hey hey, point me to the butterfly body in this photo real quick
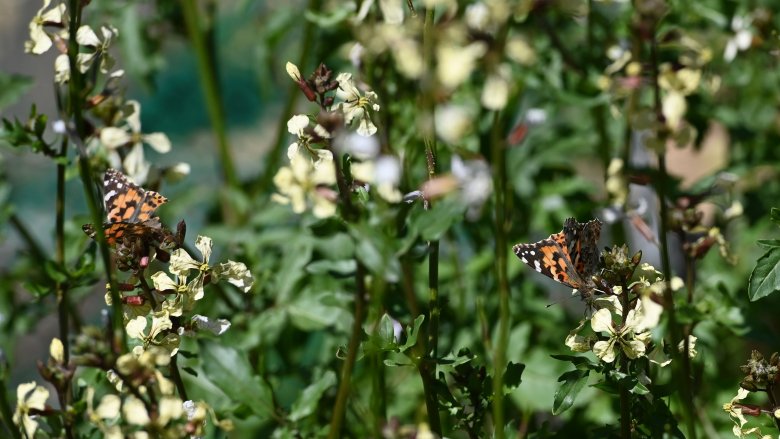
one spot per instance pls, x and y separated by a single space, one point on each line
570 257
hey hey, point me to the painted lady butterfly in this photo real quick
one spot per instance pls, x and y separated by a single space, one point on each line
130 213
570 257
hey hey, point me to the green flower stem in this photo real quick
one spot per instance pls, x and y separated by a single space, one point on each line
74 110
6 414
176 377
498 159
625 397
350 214
378 398
683 373
207 70
64 393
273 157
339 409
61 290
625 403
427 365
773 402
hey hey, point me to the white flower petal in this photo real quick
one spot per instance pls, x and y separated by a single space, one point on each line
109 407
495 93
163 282
293 71
114 137
87 37
204 244
601 321
134 411
158 141
297 124
605 350
57 350
135 327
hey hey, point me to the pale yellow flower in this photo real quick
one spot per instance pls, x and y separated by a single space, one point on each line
625 337
735 413
215 326
297 125
303 185
577 342
384 172
455 62
356 106
236 273
742 39
134 411
107 410
85 36
453 122
170 409
40 41
293 71
136 167
520 51
136 328
57 350
495 93
29 396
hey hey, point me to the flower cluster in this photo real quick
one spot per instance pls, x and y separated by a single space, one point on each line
119 143
146 398
760 376
308 182
616 329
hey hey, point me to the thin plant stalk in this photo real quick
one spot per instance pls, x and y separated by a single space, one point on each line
339 409
74 112
498 159
208 78
683 373
625 397
427 365
6 414
176 377
61 290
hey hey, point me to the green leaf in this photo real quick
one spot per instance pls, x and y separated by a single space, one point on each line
55 271
581 363
571 384
376 251
768 243
774 215
765 278
639 389
412 332
513 375
342 267
433 223
386 330
229 370
307 402
312 312
327 21
12 87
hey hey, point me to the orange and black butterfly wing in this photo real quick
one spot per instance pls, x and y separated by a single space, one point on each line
551 258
